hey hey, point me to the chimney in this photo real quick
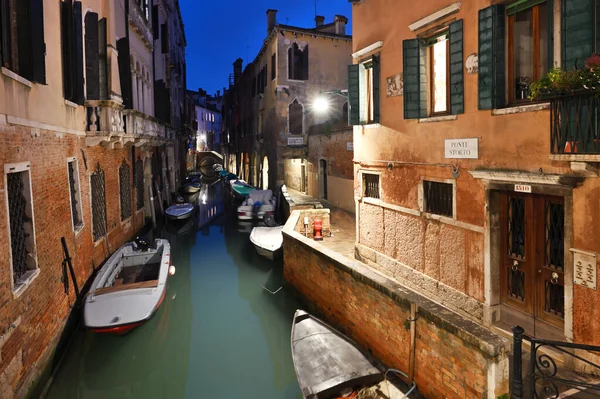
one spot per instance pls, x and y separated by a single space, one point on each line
271 20
237 70
218 93
340 24
319 20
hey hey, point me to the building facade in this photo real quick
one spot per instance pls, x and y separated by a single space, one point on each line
466 191
207 111
269 112
83 151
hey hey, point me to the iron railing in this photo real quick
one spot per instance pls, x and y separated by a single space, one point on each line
17 204
543 379
574 124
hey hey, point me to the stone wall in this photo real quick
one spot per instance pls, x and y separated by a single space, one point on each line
454 357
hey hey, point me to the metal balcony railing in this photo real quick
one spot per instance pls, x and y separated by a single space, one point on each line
574 124
544 377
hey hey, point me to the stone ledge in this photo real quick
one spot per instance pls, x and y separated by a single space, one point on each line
489 344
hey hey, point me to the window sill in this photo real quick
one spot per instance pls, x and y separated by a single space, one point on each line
296 81
78 229
371 125
518 109
442 118
71 104
25 282
16 77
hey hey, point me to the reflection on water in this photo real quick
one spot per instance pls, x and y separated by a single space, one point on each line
218 334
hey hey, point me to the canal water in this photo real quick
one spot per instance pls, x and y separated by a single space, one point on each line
220 333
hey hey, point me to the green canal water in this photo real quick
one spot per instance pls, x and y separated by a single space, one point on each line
218 334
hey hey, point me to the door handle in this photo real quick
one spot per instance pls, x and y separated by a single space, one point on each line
515 265
554 279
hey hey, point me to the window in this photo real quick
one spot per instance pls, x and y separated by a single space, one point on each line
75 197
21 223
527 46
96 80
22 35
345 112
439 58
155 24
370 185
297 62
273 67
363 92
295 116
431 67
72 50
98 204
143 4
125 190
139 184
438 198
164 38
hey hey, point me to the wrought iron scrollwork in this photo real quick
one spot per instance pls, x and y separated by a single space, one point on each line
17 205
125 188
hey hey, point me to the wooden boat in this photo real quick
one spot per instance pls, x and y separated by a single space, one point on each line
191 187
129 288
240 189
256 205
268 241
180 211
327 364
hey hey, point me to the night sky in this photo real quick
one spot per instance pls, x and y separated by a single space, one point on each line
220 31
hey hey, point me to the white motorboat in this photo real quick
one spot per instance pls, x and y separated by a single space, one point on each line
268 241
258 203
129 288
180 211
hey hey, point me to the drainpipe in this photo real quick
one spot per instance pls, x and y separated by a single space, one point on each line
413 336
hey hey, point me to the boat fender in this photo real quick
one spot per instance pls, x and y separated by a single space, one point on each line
171 270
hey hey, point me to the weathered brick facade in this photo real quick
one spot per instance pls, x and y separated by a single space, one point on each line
31 323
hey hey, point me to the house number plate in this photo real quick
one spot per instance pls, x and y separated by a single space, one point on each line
585 270
522 188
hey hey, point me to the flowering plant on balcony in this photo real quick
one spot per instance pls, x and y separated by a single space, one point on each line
559 82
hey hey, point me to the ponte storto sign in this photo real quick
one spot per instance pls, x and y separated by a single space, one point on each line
461 148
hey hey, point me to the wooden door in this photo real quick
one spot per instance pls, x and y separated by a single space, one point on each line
532 271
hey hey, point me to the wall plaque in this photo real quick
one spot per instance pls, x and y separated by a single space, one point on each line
585 272
461 148
522 188
295 140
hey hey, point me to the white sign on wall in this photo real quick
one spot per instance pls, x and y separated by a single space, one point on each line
522 188
461 148
295 140
350 146
585 270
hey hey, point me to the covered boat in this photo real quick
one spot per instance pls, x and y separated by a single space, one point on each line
180 211
268 241
240 189
327 364
190 187
258 203
129 288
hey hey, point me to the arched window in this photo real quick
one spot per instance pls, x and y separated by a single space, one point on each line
297 62
295 117
125 190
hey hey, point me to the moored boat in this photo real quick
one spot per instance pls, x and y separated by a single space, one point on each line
327 364
268 241
129 288
180 211
191 187
258 203
240 189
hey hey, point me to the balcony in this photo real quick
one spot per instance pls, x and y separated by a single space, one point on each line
108 124
575 128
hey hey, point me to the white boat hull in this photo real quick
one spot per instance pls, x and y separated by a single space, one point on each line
179 211
268 241
115 306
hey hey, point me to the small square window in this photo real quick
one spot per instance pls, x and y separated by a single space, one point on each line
370 185
438 198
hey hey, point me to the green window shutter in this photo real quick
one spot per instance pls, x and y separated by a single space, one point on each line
550 19
491 77
78 52
376 91
577 31
38 46
415 79
457 78
92 57
354 94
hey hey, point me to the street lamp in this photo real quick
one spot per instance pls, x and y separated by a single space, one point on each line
321 103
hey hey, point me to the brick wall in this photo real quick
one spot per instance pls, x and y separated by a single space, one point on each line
455 358
39 314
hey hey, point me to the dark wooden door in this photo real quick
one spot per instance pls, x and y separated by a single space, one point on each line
532 272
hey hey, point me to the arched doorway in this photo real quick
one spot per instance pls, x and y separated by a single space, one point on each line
323 178
265 173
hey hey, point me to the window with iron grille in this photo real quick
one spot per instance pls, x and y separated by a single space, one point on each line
20 211
125 186
438 198
139 184
370 185
98 204
75 195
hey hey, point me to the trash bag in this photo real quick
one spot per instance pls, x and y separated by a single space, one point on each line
269 220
